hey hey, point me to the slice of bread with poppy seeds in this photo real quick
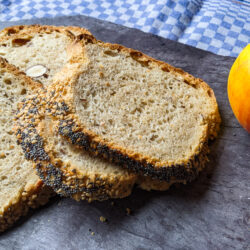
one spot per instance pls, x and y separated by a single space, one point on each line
140 113
20 187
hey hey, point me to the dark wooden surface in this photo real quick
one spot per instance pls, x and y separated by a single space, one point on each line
212 212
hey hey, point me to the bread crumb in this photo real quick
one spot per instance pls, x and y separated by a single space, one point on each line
103 219
128 210
112 203
92 233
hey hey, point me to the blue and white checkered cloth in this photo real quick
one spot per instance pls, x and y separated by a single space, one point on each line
219 26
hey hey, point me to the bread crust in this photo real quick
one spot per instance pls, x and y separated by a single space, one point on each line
4 64
63 177
27 30
34 194
33 197
70 127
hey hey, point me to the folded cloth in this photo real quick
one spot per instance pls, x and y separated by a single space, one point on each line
219 26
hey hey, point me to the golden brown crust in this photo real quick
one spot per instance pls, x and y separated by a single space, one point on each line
33 197
148 183
26 30
70 126
34 194
34 134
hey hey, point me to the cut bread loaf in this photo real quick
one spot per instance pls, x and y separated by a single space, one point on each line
39 51
142 114
20 187
70 171
32 48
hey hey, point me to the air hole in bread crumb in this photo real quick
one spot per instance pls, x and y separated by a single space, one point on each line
165 68
7 81
11 31
18 168
20 41
209 92
23 92
110 53
3 178
153 137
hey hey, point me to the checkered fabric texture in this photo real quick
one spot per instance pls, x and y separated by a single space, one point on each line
219 26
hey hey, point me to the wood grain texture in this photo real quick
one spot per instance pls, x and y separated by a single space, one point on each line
210 213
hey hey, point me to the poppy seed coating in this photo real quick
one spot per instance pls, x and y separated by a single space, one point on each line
186 172
55 173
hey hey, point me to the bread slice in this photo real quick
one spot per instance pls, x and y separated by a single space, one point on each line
70 171
20 187
39 51
141 113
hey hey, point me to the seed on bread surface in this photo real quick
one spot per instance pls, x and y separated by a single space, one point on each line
36 70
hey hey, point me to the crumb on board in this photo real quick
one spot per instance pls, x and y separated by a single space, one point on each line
128 210
92 233
103 219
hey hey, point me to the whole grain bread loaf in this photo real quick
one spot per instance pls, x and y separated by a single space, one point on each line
140 113
20 187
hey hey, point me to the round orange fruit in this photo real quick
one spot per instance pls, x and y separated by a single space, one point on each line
238 88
